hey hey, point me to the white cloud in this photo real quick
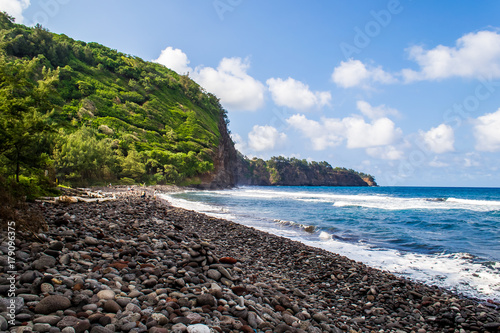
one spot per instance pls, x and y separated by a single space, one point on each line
375 112
353 73
359 134
239 143
385 153
474 55
231 83
437 163
296 95
328 134
487 132
439 139
379 132
15 8
174 59
263 138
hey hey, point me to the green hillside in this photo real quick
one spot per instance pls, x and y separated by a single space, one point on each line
83 113
295 172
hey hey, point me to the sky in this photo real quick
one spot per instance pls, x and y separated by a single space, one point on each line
408 90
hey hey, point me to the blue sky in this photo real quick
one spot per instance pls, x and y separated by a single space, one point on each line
408 91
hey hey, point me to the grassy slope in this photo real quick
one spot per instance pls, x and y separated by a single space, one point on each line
140 105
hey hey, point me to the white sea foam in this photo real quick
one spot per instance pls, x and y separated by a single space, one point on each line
375 201
211 210
456 272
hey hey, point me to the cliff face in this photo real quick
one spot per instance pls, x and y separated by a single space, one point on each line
225 162
232 169
293 172
370 181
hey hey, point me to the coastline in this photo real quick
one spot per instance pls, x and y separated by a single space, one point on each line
176 256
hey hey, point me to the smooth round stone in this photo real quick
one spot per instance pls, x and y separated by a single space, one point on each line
23 317
111 306
28 277
46 288
105 321
57 246
68 330
41 327
91 307
65 259
214 274
122 301
194 318
319 317
44 262
52 303
51 320
160 318
206 299
91 241
106 294
132 308
158 330
198 328
135 293
179 328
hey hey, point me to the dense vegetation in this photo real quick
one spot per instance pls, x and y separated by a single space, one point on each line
293 171
83 113
80 113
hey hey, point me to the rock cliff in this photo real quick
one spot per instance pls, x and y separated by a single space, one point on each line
225 171
294 172
231 169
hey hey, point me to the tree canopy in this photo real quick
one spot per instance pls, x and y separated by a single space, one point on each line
90 114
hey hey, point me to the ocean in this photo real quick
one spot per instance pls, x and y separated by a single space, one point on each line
449 237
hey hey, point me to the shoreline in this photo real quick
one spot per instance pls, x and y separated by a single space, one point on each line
441 269
166 258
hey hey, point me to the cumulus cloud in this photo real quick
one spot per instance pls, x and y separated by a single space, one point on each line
439 139
354 73
385 153
174 59
15 8
375 112
265 138
231 83
332 132
296 95
487 132
474 55
329 133
379 132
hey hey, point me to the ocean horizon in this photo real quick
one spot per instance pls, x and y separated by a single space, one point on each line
443 236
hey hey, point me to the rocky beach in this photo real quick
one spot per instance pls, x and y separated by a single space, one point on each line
138 264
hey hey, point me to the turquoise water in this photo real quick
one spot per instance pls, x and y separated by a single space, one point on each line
444 236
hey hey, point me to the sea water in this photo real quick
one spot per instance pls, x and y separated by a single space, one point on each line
449 237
